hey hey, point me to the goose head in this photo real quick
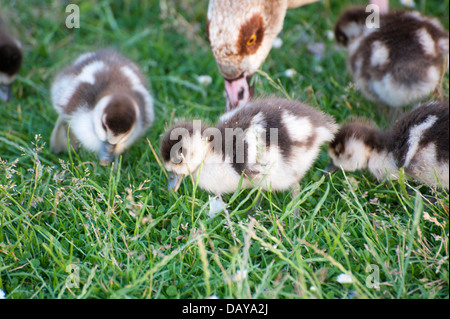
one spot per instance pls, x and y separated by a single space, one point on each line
241 34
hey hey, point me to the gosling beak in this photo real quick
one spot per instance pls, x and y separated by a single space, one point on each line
5 92
239 91
331 168
106 153
174 182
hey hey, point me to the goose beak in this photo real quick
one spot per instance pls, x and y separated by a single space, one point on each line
331 168
174 182
239 91
106 153
383 5
5 92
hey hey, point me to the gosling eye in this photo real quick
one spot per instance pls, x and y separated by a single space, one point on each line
335 152
338 149
179 158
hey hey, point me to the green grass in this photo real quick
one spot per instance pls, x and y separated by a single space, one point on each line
121 235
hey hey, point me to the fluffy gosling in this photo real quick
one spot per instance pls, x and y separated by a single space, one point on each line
418 142
270 143
104 99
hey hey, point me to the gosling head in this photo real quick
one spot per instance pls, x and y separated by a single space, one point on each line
353 146
183 149
114 119
351 24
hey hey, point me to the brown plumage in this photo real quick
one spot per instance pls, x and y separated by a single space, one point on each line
120 116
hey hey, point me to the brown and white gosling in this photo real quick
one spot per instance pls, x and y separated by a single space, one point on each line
271 143
10 61
399 63
104 100
241 35
418 142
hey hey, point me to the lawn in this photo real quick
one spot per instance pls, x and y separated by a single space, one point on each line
70 228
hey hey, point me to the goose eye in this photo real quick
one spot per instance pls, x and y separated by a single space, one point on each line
252 39
104 126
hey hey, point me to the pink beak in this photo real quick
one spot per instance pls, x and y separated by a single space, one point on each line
382 4
239 91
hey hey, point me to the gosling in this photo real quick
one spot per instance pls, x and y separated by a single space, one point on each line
102 96
270 144
417 142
